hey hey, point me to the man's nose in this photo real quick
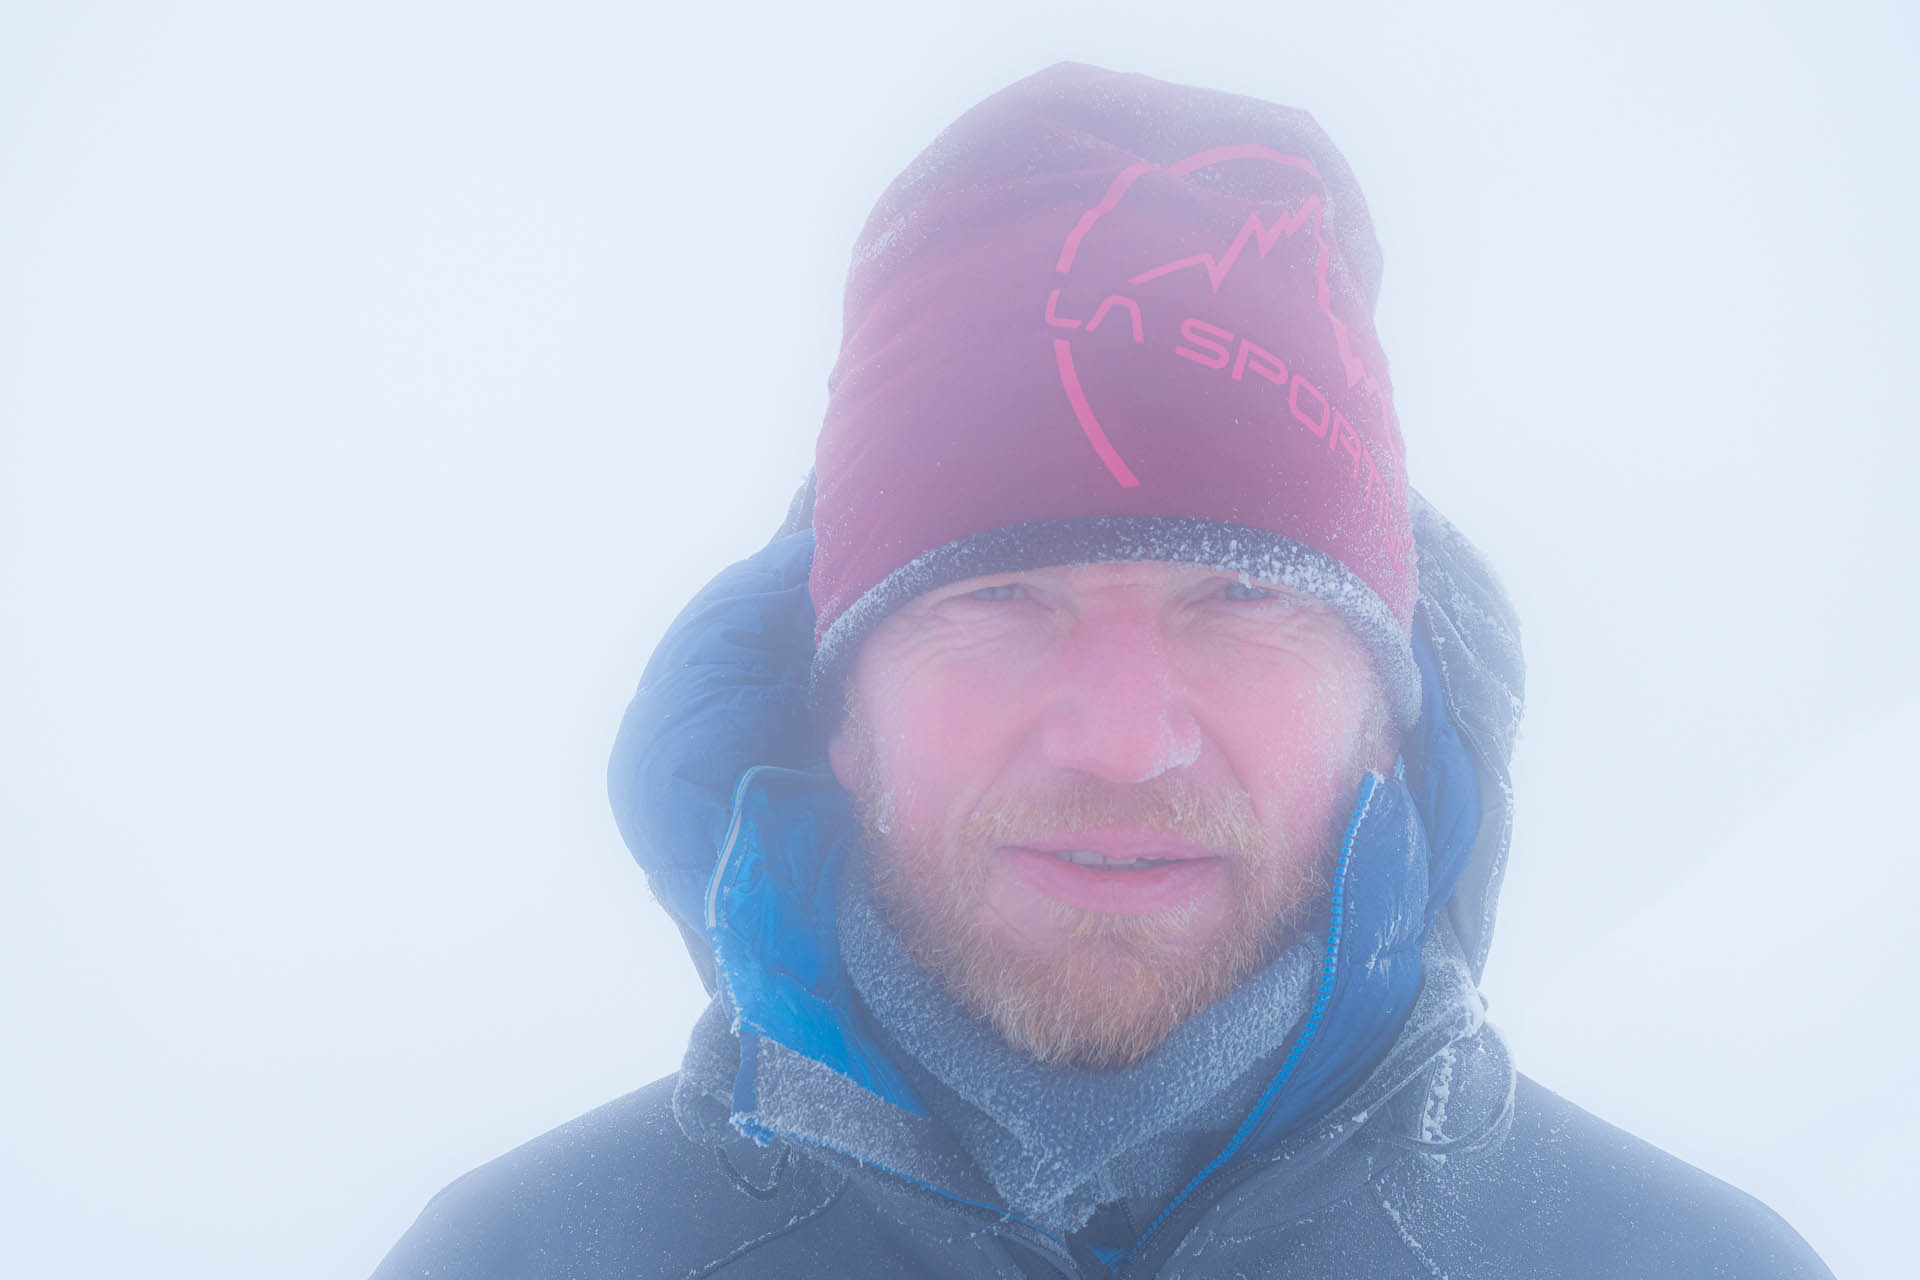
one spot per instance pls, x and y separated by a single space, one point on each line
1115 707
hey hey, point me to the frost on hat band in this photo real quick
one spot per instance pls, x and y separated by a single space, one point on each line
1100 539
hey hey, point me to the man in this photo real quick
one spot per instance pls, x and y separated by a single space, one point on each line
1088 811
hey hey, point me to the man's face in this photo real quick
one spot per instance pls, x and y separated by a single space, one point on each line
1098 797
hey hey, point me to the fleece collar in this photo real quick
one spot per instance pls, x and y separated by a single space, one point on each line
1058 1142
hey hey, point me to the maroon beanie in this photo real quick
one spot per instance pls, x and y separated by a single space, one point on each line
1107 318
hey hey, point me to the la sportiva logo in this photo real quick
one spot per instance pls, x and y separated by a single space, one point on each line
1298 403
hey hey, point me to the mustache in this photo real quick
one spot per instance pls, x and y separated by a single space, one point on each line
1171 805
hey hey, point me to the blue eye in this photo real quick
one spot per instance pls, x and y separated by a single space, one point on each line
1247 591
1004 591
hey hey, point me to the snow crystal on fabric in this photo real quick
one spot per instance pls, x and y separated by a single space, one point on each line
1101 539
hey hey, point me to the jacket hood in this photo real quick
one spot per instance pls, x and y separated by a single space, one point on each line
723 792
728 690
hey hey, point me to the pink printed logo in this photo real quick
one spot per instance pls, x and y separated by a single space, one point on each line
1211 346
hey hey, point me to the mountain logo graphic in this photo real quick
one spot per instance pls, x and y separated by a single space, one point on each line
1256 237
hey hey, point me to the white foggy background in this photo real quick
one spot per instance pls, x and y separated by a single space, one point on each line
378 380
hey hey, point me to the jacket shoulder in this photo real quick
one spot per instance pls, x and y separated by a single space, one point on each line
1569 1195
619 1191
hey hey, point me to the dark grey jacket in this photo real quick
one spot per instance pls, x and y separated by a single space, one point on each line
621 1192
1396 1138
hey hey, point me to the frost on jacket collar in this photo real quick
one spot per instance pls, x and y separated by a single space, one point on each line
721 789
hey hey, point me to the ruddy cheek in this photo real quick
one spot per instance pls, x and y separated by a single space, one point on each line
1288 767
946 701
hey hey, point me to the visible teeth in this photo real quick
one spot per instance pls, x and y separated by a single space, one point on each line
1088 858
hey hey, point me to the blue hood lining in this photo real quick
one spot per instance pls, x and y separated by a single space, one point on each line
773 921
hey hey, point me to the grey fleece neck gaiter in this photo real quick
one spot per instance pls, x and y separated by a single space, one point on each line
1059 1142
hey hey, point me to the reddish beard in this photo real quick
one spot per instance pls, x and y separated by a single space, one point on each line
1119 984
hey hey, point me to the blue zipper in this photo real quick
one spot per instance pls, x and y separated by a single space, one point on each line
1328 966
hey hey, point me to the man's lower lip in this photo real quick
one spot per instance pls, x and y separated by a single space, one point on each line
1123 893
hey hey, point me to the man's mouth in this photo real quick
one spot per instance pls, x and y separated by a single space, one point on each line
1134 872
1088 858
1117 849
